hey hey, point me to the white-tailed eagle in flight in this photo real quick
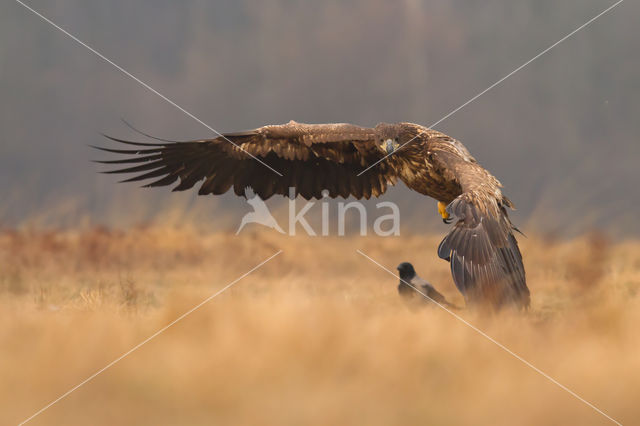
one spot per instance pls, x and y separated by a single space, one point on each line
486 263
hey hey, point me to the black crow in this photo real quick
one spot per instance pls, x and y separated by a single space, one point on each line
410 282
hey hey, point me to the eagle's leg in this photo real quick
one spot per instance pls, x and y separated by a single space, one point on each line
442 209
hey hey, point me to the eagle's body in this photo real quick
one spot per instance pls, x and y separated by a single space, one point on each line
484 255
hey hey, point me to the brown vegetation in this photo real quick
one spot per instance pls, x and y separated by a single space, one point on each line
316 336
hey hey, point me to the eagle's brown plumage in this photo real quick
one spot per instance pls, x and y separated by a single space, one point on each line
485 260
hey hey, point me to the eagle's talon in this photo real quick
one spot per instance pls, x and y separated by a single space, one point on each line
442 209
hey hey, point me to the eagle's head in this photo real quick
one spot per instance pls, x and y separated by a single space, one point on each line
389 137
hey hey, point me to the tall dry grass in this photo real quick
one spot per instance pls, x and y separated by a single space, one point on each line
316 336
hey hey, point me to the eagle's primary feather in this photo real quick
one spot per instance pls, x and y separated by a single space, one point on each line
486 263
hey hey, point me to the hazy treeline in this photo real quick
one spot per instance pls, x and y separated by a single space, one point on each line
561 134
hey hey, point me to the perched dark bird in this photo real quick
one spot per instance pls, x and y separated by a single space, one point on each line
362 162
410 282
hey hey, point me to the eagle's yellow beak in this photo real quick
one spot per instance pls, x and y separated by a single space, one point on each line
389 146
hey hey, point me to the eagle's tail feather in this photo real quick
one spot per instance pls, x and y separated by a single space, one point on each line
486 263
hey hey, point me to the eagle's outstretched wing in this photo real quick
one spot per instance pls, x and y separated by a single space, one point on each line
486 263
310 157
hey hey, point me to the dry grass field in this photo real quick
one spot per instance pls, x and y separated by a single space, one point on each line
316 336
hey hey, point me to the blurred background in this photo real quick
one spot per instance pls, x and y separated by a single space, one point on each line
561 134
90 268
